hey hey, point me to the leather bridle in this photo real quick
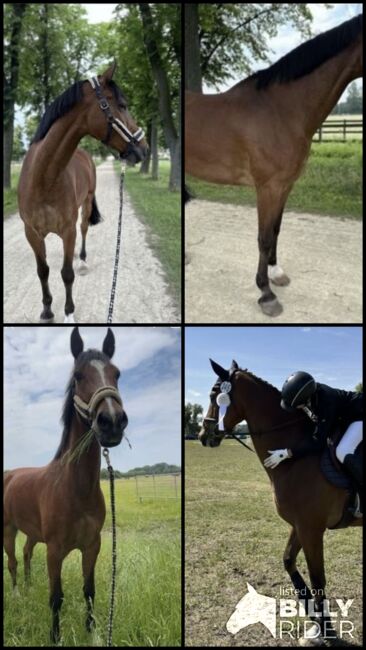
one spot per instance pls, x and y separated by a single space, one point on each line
132 139
87 410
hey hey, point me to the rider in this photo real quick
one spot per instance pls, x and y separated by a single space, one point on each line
327 407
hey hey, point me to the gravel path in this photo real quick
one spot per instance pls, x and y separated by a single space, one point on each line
322 256
142 294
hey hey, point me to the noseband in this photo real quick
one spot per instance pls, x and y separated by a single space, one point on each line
132 139
88 410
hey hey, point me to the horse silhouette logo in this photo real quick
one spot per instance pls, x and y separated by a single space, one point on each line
253 608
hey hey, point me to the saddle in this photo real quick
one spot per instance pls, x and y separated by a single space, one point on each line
334 472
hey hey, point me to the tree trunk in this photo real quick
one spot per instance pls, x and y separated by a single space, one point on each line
192 57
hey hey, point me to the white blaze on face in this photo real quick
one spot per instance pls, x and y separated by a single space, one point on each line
100 367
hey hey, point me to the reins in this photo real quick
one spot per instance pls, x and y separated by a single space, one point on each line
118 246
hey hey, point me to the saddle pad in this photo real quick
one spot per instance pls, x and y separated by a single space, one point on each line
339 479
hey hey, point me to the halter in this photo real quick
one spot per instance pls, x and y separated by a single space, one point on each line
114 123
87 410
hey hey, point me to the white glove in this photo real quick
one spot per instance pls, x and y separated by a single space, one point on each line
276 457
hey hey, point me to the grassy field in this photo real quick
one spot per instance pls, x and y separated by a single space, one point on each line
331 183
233 535
160 211
148 586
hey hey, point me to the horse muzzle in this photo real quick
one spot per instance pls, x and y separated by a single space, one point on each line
109 429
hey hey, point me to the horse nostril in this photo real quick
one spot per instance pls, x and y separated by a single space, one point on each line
104 421
121 421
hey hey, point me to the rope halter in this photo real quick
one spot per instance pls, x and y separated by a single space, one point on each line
88 410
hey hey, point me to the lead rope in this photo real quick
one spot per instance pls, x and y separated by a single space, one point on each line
118 246
114 553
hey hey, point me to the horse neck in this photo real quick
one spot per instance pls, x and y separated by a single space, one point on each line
55 150
265 417
313 96
82 474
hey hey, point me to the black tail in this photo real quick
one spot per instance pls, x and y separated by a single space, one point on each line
187 195
95 216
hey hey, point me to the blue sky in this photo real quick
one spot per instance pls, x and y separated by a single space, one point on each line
38 363
332 354
288 37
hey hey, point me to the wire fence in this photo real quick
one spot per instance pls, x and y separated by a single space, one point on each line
158 486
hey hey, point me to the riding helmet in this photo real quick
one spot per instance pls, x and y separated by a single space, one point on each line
297 389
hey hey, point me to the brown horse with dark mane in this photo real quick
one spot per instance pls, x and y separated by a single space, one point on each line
62 504
310 512
57 178
259 132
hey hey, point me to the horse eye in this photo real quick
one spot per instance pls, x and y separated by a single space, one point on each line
118 374
122 106
78 376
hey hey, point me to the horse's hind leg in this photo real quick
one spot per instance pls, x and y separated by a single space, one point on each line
67 271
10 533
27 554
39 249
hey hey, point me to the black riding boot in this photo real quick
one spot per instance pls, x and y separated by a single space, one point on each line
353 465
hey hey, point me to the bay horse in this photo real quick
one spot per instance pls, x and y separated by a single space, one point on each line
259 132
57 178
303 496
62 504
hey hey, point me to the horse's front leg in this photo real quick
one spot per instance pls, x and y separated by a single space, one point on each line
90 556
54 564
39 248
270 204
312 543
67 271
275 272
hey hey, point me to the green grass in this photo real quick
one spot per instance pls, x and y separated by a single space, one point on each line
148 586
160 210
331 183
233 535
10 196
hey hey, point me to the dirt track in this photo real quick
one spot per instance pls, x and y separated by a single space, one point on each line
322 256
142 294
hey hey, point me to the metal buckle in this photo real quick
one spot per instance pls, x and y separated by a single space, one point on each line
103 104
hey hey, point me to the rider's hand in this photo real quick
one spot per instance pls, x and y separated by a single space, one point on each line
276 457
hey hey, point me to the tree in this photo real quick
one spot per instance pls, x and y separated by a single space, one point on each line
191 413
228 35
359 388
153 35
14 15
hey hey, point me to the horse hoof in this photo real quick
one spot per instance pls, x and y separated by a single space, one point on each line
69 319
82 268
47 319
270 307
277 275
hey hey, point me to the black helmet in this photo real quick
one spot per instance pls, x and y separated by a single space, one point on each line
297 389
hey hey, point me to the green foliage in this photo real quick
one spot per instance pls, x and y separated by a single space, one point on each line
232 34
146 470
191 424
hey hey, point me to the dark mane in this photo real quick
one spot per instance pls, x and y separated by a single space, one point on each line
68 409
64 103
260 380
310 55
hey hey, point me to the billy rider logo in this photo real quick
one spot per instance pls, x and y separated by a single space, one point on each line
292 619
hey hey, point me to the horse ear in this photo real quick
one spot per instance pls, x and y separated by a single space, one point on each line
108 74
108 345
219 371
77 345
234 365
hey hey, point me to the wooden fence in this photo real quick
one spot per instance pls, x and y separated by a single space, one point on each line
338 130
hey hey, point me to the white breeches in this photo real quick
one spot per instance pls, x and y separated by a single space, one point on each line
350 441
